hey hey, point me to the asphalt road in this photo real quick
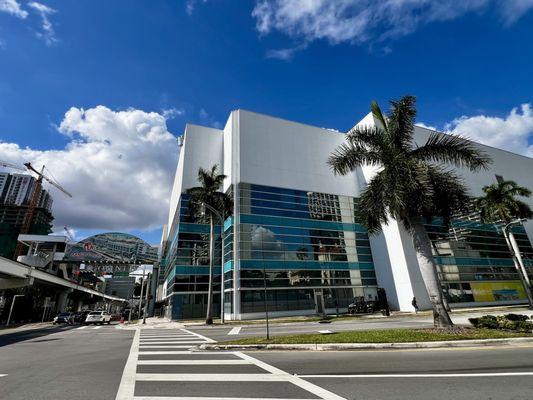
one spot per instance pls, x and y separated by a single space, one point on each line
108 363
475 373
63 363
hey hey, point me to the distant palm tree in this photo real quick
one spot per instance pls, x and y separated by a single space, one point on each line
209 193
499 205
412 184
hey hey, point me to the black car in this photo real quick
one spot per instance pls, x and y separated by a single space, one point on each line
79 317
63 318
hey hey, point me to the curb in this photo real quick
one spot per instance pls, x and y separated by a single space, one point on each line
370 346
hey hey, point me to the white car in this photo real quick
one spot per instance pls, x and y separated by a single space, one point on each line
98 317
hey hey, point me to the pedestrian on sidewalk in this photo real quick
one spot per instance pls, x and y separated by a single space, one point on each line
415 304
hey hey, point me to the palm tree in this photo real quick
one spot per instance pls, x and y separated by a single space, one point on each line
412 184
204 199
499 205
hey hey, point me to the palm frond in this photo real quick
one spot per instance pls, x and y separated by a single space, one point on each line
372 211
499 202
402 121
348 156
452 149
377 114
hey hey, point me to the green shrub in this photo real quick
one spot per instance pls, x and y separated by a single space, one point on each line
512 322
516 317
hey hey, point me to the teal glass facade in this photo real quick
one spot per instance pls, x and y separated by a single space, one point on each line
299 244
186 263
475 264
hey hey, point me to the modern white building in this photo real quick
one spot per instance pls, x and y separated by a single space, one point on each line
294 230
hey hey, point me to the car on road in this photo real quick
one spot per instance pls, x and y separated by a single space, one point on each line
98 317
79 317
63 318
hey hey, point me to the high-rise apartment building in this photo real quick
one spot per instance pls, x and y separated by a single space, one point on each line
294 230
15 195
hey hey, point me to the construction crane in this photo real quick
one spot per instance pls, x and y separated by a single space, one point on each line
69 235
35 196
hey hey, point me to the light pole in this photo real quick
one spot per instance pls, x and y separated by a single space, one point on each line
146 299
142 287
266 301
517 258
220 217
11 308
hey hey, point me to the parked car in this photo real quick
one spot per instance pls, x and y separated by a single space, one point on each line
63 318
79 317
98 317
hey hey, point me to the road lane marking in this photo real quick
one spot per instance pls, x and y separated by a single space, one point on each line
168 346
208 340
157 352
294 379
97 327
192 362
212 377
192 340
210 398
465 375
126 389
235 331
1 375
142 353
81 327
164 343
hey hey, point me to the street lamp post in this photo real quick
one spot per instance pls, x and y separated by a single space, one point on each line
517 258
266 301
146 299
142 287
220 217
11 308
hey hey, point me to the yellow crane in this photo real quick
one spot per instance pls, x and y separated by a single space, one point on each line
34 199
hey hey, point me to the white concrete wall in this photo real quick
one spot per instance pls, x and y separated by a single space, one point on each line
202 147
280 153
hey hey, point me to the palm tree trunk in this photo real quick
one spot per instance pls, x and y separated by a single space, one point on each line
428 269
209 314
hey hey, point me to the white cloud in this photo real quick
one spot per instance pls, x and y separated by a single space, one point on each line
513 132
207 120
13 7
190 5
47 33
118 165
285 54
369 21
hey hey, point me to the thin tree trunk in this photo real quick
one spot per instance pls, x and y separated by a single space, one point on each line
209 314
428 269
519 265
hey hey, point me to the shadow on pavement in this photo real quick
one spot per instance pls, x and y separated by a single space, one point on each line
20 336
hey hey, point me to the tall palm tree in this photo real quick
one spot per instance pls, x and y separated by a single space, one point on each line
500 205
209 193
412 184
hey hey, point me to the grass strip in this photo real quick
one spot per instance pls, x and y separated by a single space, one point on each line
385 336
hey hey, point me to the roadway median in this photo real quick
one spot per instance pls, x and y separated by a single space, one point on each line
380 339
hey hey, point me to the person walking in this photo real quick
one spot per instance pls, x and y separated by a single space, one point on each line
415 304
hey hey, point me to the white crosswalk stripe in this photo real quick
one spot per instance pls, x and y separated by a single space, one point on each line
235 331
165 357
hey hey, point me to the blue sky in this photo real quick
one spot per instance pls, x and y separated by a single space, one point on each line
79 77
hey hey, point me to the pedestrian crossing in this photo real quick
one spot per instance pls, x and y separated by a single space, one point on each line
162 365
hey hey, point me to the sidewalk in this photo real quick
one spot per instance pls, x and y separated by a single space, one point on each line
4 330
